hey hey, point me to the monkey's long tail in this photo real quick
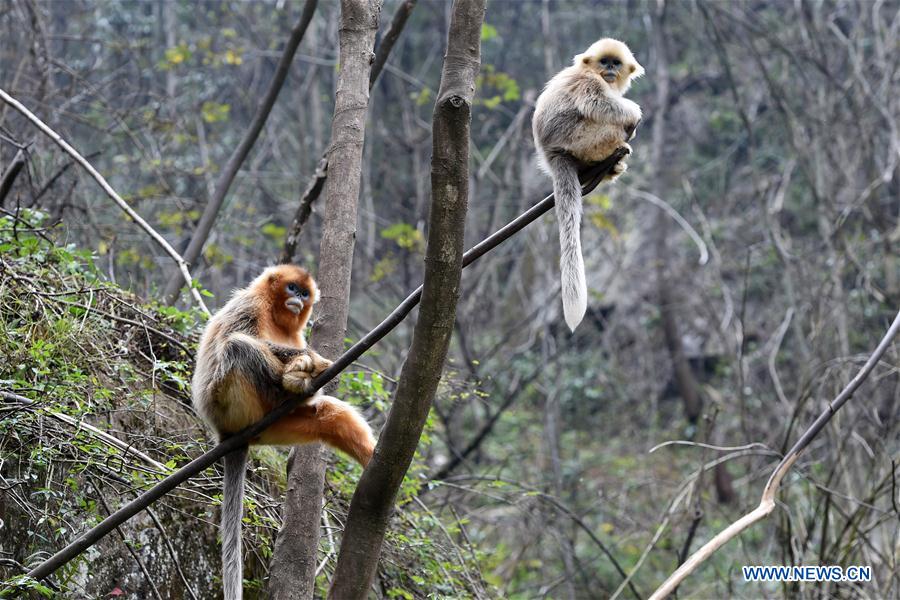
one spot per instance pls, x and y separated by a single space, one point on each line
232 513
567 191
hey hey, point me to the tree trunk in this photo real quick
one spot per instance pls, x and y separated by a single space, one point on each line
373 501
293 565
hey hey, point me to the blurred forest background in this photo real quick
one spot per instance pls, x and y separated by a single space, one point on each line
770 132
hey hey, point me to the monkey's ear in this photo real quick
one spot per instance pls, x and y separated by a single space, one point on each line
636 70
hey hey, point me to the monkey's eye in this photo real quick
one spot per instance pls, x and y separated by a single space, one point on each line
616 62
293 288
304 293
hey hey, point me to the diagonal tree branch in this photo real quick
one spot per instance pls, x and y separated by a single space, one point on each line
390 38
237 158
591 176
373 500
314 187
160 240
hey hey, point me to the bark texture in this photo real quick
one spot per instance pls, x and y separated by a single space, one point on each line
373 500
293 565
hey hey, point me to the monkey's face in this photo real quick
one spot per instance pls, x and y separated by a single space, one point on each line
298 296
610 68
613 62
292 292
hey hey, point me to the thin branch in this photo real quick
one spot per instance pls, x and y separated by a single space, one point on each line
168 542
488 426
665 518
767 503
682 222
55 177
316 183
182 264
390 38
125 543
304 209
237 158
591 176
564 509
711 446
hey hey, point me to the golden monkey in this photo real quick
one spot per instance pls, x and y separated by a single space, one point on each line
583 117
253 351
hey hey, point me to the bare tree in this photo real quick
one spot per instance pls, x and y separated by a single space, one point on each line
315 184
373 500
294 561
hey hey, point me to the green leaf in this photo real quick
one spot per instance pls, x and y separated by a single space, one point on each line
405 235
488 32
213 112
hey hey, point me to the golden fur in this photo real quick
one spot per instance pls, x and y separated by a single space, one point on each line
254 351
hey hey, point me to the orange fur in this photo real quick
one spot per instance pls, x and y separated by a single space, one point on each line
252 355
328 420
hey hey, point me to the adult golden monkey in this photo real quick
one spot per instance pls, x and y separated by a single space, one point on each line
583 117
253 352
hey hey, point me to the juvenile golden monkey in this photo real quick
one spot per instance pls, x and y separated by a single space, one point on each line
583 117
253 351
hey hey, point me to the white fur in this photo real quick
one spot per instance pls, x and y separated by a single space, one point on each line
579 114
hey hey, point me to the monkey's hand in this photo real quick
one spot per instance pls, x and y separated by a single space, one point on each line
617 170
319 362
300 371
297 381
284 353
